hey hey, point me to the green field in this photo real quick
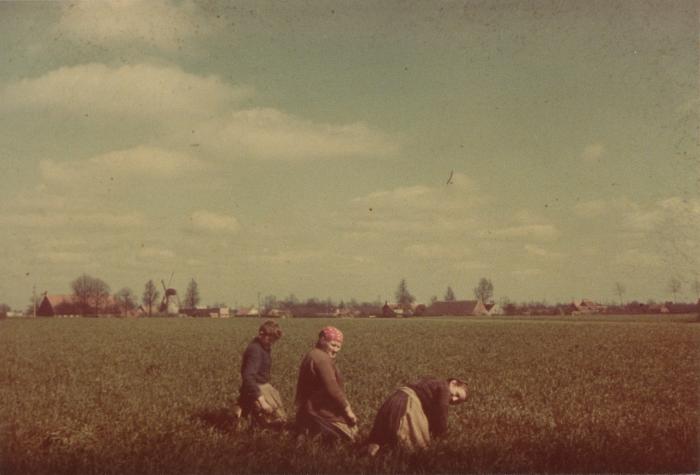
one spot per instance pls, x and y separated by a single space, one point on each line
154 395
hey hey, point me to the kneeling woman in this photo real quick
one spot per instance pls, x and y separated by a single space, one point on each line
322 407
414 412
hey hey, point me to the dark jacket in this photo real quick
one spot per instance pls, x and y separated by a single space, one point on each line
434 395
320 388
255 370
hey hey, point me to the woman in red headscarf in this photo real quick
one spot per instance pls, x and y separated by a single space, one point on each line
322 407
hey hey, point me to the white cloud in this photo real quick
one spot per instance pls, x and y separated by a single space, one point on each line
140 162
148 22
412 214
63 257
638 258
434 251
673 211
138 91
452 200
289 256
536 232
81 219
538 251
524 273
593 152
591 209
271 134
155 253
208 221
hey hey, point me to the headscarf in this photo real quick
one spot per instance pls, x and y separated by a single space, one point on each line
332 334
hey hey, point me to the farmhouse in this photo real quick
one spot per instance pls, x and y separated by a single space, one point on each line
278 313
394 310
211 312
493 309
304 310
247 312
398 310
457 308
54 305
587 307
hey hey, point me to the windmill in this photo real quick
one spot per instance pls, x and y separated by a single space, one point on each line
171 302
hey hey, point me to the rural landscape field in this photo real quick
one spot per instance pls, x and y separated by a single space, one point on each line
601 394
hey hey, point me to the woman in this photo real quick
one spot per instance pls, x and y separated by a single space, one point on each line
258 398
322 407
414 413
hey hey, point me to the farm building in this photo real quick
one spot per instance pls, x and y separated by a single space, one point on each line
458 308
493 309
278 313
54 305
247 312
397 310
394 310
303 310
210 312
587 307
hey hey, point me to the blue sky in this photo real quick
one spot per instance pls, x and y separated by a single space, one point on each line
305 147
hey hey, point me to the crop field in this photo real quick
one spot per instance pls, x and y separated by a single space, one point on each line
115 396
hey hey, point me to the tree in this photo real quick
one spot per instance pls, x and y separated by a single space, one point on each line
34 302
4 309
125 300
403 296
450 295
90 294
674 286
619 291
150 296
192 294
484 291
696 287
269 302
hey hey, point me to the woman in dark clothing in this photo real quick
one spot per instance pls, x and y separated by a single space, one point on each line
257 396
322 407
414 413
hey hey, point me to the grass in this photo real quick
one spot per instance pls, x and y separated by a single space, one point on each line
547 395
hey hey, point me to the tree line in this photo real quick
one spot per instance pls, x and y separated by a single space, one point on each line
91 296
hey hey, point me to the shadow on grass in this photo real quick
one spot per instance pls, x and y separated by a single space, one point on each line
221 418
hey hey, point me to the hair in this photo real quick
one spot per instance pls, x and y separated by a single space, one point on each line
459 383
271 329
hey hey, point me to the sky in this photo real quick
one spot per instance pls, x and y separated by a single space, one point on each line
331 149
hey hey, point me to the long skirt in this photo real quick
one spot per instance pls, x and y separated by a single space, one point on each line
328 429
278 416
401 421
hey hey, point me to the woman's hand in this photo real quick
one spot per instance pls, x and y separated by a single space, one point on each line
263 405
352 418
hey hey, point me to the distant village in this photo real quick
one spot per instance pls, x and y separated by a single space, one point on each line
91 298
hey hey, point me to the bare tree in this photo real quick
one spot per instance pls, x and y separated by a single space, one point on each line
619 291
450 295
150 296
89 293
484 290
125 300
674 286
269 302
696 287
403 296
192 294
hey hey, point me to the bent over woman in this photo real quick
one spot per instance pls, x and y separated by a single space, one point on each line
414 413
